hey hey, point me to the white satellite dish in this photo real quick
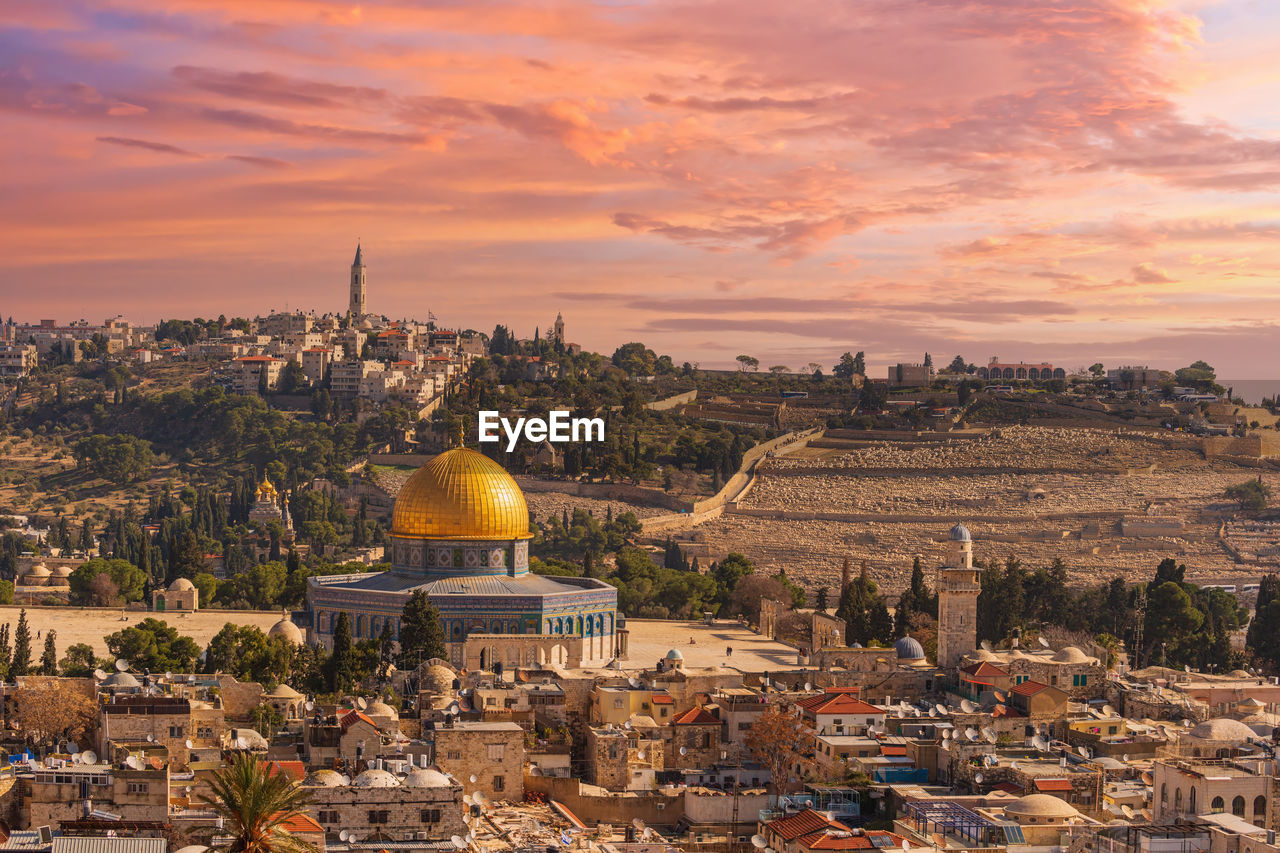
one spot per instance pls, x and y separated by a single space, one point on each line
977 777
759 841
344 835
151 738
986 646
1084 752
133 763
121 665
479 798
627 725
967 706
89 756
458 842
189 743
946 734
906 845
242 743
988 732
807 686
361 703
1040 742
1125 758
971 734
1108 710
466 799
1013 765
1127 811
940 708
1044 644
989 736
311 706
346 780
99 674
933 712
473 778
640 755
684 751
168 675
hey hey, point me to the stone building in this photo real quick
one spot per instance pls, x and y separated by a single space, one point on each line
269 506
179 725
347 735
1183 789
51 795
958 588
693 740
181 595
625 759
421 805
490 753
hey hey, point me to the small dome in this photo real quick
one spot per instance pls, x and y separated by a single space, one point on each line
376 779
959 533
1040 805
120 679
1222 729
1239 673
181 585
39 570
323 779
285 628
675 654
425 777
1070 654
909 648
438 679
62 571
378 708
283 691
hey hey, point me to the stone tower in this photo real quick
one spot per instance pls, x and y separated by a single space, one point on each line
958 589
356 308
559 329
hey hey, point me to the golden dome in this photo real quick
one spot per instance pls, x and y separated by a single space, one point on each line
461 494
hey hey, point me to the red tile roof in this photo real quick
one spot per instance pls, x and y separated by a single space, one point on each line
1053 784
663 699
300 823
893 750
295 770
695 717
838 703
802 823
1030 688
984 668
844 840
1009 788
350 720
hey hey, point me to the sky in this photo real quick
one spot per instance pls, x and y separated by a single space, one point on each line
1062 180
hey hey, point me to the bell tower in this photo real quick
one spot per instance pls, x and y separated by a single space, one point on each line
356 307
958 588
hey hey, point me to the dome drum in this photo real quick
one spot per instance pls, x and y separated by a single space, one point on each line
451 558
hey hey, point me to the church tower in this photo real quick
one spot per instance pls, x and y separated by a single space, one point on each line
559 329
958 588
356 308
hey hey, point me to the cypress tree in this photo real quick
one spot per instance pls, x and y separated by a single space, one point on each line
21 663
49 660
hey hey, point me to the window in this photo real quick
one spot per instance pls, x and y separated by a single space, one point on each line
499 783
1259 807
138 787
1216 806
176 731
430 816
497 751
455 755
379 816
1080 680
489 700
617 703
325 816
1237 807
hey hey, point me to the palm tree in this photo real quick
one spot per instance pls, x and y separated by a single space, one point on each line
254 802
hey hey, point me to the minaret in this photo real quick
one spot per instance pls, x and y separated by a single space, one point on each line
356 308
958 588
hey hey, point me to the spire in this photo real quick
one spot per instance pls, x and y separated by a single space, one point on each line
357 262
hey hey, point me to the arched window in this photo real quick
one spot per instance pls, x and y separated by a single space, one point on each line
1259 806
1177 799
1216 805
359 632
1191 801
1164 793
1237 807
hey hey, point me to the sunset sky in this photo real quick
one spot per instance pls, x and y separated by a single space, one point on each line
1070 180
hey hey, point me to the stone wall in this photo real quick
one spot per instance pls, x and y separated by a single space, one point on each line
403 813
492 752
596 805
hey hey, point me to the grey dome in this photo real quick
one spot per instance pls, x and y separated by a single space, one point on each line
426 778
959 533
909 648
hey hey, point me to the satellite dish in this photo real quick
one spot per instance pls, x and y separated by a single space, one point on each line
906 845
627 724
361 703
89 756
971 735
634 682
1147 778
121 665
458 842
189 744
1040 742
168 675
946 734
684 751
466 799
479 798
986 646
990 736
1125 758
1146 814
473 778
758 841
807 686
933 712
1186 724
1084 752
133 763
1013 765
967 706
346 780
940 708
640 755
637 823
1127 811
1108 710
977 777
344 835
151 738
311 706
1186 667
242 743
999 696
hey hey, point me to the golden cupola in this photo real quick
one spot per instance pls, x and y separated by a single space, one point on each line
461 495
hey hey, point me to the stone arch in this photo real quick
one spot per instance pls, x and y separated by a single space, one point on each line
1237 806
1177 799
1216 805
1259 806
1191 801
